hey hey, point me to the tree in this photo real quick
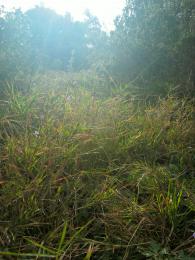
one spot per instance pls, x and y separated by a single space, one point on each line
40 39
14 43
154 43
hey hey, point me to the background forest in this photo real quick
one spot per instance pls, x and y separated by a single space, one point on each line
97 134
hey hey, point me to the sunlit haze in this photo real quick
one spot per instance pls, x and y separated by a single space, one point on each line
105 10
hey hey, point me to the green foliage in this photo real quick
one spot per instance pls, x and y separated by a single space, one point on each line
40 39
151 50
14 44
154 43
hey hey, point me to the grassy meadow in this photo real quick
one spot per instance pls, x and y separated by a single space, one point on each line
84 175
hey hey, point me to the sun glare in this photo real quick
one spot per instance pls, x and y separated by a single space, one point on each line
106 11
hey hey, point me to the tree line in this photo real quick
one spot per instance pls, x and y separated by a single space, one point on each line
152 46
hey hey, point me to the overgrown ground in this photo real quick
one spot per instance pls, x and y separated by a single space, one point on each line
85 177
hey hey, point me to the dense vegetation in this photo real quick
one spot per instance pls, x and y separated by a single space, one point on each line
97 147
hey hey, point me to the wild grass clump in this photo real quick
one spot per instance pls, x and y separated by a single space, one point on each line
89 178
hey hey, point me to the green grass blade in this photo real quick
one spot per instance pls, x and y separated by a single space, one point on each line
62 238
40 246
68 244
7 253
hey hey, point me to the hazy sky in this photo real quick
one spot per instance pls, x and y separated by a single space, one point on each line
105 10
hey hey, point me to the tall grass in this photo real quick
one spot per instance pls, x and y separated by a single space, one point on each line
84 177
